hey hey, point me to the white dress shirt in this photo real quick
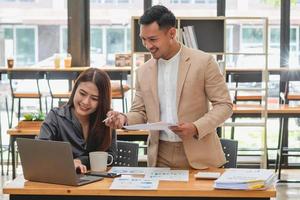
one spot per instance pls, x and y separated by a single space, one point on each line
167 85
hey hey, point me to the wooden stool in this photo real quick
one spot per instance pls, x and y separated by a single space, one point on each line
18 76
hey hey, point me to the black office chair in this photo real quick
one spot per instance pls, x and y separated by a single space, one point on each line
127 154
230 148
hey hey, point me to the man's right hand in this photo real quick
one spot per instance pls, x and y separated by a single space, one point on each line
116 120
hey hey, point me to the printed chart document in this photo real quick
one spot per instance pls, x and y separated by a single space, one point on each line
245 179
136 170
150 126
134 184
168 175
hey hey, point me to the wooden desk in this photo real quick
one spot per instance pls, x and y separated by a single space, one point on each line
192 190
15 133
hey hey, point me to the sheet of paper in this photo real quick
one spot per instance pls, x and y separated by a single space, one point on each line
150 126
136 170
134 184
168 175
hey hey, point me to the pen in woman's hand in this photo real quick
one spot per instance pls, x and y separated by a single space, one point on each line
107 118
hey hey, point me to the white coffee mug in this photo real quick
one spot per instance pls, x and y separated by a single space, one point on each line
98 160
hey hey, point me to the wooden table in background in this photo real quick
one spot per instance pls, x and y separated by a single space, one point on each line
191 190
15 133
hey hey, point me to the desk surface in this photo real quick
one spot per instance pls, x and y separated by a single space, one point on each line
193 188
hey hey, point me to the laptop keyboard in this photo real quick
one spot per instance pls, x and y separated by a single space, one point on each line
82 179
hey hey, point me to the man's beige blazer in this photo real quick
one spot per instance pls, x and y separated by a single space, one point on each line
199 82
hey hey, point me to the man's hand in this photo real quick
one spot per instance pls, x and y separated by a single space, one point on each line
78 165
185 130
115 120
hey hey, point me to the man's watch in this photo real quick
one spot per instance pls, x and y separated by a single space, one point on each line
126 122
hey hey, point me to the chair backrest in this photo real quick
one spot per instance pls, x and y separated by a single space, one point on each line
289 78
246 79
62 76
127 154
230 148
16 76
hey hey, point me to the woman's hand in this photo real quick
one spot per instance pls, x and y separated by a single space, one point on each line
80 166
115 119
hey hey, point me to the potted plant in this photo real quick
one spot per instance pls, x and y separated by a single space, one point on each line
32 120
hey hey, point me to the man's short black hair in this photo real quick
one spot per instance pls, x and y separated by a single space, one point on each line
159 14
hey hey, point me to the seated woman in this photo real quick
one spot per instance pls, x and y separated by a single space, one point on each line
79 122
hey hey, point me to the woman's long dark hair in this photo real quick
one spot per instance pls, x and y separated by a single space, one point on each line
98 132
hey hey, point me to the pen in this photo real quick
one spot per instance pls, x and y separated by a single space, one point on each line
107 118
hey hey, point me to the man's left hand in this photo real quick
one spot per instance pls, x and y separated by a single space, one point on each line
185 130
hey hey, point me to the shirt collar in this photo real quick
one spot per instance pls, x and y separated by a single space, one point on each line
65 111
176 56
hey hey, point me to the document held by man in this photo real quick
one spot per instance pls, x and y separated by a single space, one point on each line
157 126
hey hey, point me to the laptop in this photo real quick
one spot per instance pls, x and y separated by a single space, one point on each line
50 162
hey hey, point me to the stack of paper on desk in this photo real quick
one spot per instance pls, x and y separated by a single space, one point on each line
245 179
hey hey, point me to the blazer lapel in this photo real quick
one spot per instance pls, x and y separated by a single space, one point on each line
153 80
183 68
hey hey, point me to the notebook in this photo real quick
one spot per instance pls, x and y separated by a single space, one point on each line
50 162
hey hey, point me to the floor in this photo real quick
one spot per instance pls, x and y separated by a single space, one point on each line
285 191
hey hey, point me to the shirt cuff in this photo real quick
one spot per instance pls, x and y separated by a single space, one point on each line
126 121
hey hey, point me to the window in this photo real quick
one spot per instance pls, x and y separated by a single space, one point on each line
274 46
193 1
22 1
230 59
122 1
294 47
63 42
109 1
185 1
21 43
252 39
106 41
26 51
294 40
115 40
39 37
96 40
111 29
97 55
128 39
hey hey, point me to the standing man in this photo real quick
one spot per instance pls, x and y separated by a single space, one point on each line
176 86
